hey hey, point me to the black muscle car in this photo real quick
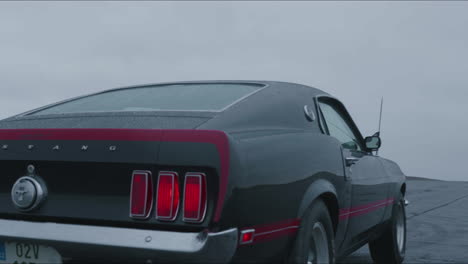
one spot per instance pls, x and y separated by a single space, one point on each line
206 172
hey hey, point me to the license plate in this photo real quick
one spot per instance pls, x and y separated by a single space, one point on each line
27 253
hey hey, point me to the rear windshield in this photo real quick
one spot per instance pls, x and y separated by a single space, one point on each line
176 97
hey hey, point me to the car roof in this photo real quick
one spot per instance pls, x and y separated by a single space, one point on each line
276 104
265 83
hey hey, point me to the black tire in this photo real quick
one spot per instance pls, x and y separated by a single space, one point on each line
386 249
316 220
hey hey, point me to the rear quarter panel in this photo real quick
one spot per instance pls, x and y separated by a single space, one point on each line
278 170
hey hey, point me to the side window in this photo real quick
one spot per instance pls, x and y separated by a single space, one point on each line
337 127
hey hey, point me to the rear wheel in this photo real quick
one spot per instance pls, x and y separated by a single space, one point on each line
390 247
314 243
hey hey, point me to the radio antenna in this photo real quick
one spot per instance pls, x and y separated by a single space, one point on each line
380 118
380 122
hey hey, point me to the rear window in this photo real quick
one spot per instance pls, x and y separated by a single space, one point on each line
175 97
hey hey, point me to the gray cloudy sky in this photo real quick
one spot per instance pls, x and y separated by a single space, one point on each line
412 53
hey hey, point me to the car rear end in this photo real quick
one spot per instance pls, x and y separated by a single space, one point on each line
123 176
136 194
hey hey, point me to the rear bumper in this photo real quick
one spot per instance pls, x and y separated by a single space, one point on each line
82 242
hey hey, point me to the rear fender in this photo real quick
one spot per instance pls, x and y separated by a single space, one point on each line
318 189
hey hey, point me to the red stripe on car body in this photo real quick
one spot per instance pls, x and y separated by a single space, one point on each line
272 231
216 137
289 227
364 209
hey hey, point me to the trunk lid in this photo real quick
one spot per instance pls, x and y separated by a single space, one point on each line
88 172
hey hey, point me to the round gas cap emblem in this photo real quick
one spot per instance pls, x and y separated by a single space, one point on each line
24 193
28 192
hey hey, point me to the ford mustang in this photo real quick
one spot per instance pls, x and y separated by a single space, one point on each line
205 172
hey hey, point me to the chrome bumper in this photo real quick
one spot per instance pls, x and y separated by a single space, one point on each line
148 245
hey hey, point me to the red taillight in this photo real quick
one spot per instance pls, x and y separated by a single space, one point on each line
195 197
167 198
141 194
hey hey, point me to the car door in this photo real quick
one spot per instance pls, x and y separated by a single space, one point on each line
369 188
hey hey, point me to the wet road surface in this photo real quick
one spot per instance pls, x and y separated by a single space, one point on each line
437 224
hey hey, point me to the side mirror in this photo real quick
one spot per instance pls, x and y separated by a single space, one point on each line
373 143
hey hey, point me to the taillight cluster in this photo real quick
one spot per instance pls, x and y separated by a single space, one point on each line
194 197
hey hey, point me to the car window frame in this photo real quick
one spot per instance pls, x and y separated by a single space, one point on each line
339 107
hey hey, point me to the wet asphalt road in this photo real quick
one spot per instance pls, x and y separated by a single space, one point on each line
437 224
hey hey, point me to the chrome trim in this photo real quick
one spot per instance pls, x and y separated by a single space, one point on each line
400 230
352 124
244 232
172 216
202 177
40 191
351 161
199 244
319 114
319 251
149 182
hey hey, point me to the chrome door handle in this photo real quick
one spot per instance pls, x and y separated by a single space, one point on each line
351 160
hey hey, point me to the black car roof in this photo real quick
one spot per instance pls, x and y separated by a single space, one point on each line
277 104
247 82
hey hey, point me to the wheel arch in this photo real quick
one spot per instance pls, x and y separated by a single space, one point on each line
321 189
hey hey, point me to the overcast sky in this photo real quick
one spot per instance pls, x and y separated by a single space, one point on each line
412 53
